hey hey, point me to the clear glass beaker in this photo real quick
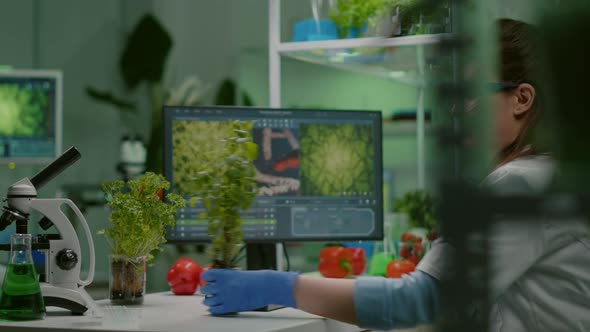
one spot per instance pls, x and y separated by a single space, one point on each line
21 297
127 280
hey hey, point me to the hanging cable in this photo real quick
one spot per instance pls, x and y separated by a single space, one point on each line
286 256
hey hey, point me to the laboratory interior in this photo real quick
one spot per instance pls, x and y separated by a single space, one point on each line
294 165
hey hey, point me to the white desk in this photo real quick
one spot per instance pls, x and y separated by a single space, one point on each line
170 313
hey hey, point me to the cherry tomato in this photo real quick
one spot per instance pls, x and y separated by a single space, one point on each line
407 237
418 250
432 236
396 268
404 252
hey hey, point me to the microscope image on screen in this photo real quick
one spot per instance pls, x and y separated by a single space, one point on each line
30 113
23 111
193 145
277 166
337 160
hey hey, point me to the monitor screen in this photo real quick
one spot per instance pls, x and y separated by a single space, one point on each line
319 173
30 116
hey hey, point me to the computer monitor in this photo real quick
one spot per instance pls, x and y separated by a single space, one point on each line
30 116
319 172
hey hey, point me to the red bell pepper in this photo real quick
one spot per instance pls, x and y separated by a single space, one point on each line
184 276
358 260
335 262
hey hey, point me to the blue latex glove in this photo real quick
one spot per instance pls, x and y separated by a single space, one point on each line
234 291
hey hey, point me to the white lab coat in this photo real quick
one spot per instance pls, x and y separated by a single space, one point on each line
540 270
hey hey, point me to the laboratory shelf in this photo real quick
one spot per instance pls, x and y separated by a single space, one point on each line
361 42
411 60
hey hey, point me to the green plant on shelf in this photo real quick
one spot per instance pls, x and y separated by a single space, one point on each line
226 185
415 14
419 206
139 215
347 14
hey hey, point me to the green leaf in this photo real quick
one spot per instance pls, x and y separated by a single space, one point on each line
193 201
251 150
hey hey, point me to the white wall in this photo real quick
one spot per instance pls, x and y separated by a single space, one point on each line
82 39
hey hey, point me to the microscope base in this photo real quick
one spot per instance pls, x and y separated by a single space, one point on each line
78 301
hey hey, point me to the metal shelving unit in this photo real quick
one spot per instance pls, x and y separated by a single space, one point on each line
403 59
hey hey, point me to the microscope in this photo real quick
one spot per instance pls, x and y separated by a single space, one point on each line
62 286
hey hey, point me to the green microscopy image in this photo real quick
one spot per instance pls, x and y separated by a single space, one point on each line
194 148
336 159
22 111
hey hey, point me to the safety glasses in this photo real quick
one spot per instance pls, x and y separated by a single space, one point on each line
502 86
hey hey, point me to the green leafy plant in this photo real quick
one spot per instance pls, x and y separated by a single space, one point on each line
226 186
354 14
414 13
419 206
139 215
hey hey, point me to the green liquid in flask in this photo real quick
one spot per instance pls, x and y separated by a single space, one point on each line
21 297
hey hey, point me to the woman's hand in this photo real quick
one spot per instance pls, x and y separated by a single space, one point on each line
234 291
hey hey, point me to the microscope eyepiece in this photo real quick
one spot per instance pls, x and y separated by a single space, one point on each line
57 166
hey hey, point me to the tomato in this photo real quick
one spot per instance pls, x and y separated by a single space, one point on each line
395 268
407 237
418 250
404 252
184 276
160 193
335 262
432 236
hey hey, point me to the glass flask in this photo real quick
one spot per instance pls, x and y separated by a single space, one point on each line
21 297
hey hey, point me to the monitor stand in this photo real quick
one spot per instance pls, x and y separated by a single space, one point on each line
262 256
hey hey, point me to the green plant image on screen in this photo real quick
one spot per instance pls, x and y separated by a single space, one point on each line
336 160
23 111
193 149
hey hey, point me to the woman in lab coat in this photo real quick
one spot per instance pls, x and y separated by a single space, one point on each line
539 271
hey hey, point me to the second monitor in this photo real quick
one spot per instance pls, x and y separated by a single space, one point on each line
319 173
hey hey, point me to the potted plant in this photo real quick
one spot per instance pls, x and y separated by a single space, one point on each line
351 16
139 220
419 206
421 16
225 182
